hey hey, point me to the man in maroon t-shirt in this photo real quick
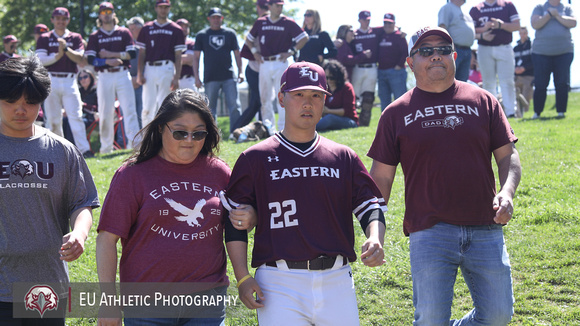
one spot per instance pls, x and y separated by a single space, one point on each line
444 133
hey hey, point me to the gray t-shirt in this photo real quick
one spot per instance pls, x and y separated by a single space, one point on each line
459 25
554 38
43 179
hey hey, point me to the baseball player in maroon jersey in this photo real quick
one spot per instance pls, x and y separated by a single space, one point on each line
495 21
10 45
60 50
109 49
39 29
187 79
272 40
304 238
160 44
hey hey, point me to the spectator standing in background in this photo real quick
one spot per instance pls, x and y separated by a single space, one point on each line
392 75
10 45
217 43
495 21
187 80
552 53
135 24
38 30
524 72
318 40
461 28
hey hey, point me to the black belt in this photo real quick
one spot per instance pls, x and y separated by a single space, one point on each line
462 47
123 68
316 264
62 75
367 65
272 58
158 63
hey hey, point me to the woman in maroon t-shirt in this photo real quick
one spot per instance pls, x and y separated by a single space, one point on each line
339 108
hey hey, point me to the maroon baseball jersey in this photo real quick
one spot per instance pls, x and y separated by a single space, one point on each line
6 56
161 41
368 40
444 142
304 198
117 40
47 44
187 70
501 9
275 37
392 50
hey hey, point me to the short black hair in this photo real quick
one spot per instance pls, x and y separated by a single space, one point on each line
24 77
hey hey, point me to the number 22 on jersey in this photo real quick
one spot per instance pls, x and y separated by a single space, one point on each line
282 214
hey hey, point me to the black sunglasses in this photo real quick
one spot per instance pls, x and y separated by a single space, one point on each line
83 77
428 51
182 134
308 15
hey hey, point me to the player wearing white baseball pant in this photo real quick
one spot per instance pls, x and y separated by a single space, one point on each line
65 93
110 85
188 82
364 79
499 61
270 74
297 297
157 86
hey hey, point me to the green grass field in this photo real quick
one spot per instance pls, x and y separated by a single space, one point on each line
543 238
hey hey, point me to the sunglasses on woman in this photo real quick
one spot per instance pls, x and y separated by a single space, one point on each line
428 51
182 134
308 14
83 77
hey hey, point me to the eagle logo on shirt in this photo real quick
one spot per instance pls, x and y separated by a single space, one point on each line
452 121
189 215
22 168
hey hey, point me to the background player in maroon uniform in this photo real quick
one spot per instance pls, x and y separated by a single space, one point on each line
272 40
60 50
305 237
186 80
10 46
444 133
160 43
392 75
110 49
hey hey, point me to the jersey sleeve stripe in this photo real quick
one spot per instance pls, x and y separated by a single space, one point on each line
360 213
91 52
43 51
250 37
299 37
140 45
180 47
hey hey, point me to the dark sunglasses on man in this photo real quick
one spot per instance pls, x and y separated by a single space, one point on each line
429 51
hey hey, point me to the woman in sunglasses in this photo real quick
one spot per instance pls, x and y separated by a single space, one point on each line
88 90
319 45
163 203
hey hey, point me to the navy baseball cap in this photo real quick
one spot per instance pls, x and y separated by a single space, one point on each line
365 14
10 39
61 11
215 12
40 28
162 3
389 18
304 75
425 32
106 6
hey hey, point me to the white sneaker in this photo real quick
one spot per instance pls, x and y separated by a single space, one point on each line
535 116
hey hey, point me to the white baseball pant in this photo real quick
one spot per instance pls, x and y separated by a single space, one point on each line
188 82
118 85
297 297
364 79
498 63
65 93
157 86
270 74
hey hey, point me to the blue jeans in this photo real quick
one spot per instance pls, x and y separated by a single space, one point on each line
462 64
335 122
391 82
254 102
230 90
544 66
139 103
480 252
